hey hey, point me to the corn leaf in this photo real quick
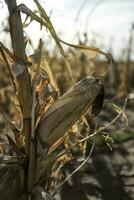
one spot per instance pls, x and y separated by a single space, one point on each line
89 50
24 9
49 26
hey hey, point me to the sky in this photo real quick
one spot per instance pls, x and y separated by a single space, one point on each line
108 21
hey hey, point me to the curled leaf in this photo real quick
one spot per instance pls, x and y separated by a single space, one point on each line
122 115
89 50
43 20
24 9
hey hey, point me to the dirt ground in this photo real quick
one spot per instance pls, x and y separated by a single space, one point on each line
108 175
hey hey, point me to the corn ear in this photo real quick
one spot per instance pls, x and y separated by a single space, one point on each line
67 110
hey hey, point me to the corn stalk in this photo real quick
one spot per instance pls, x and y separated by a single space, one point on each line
44 131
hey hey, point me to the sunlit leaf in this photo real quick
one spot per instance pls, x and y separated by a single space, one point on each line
50 74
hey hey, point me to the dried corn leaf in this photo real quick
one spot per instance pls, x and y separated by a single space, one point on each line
45 163
88 50
19 139
12 124
9 55
122 115
50 26
50 75
45 21
14 146
24 9
67 110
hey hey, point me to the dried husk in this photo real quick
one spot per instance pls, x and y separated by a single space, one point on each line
67 110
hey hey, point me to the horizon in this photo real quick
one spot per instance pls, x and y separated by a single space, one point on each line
106 21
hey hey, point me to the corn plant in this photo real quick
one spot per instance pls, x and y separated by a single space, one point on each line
48 124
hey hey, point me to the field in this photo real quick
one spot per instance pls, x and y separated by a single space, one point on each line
66 117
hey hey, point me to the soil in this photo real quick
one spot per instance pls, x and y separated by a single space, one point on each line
108 175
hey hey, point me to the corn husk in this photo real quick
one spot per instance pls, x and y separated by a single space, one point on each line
67 110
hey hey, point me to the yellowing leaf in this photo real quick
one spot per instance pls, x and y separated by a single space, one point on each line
89 50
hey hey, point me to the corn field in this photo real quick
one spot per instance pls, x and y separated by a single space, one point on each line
57 109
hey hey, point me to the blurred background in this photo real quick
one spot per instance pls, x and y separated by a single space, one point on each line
108 25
